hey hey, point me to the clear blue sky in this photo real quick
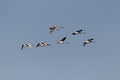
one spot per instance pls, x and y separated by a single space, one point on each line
28 21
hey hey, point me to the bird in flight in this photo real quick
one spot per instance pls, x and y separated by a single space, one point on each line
62 41
26 45
52 28
88 41
78 32
42 44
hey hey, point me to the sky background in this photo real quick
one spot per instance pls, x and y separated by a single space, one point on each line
28 21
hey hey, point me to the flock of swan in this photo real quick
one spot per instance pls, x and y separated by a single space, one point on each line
62 41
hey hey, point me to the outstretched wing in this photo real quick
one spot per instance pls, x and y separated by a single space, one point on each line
58 28
48 44
63 39
38 45
22 47
79 30
90 39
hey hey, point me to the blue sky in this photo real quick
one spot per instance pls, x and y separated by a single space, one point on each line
28 21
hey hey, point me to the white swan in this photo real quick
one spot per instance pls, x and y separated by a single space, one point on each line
88 41
42 44
26 45
62 41
52 28
78 32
